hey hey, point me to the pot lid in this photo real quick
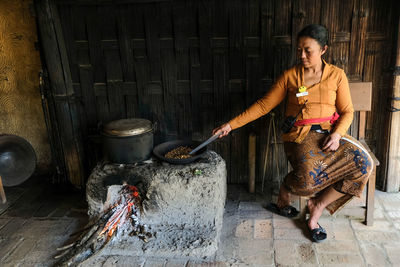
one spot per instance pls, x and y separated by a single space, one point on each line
128 127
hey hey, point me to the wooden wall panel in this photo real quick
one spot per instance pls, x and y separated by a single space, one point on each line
192 65
21 102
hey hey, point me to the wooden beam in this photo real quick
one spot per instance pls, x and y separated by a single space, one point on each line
61 90
369 218
109 2
361 125
2 193
393 177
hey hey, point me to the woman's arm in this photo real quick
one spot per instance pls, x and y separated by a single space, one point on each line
344 106
263 105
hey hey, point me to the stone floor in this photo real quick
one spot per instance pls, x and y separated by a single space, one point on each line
38 218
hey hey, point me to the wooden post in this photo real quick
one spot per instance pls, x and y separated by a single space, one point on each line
252 162
303 207
393 177
62 91
2 193
369 218
361 128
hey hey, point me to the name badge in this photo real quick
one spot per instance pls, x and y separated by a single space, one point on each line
302 94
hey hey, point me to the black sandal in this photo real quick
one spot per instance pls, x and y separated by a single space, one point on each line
318 234
287 211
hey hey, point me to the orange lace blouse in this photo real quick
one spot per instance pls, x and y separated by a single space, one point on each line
331 94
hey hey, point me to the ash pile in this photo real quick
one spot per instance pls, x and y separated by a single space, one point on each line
176 211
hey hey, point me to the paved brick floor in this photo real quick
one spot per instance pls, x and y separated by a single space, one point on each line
38 218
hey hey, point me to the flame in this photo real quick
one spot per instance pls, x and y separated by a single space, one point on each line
122 211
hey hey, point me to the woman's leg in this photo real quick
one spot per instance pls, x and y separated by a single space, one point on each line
283 197
317 205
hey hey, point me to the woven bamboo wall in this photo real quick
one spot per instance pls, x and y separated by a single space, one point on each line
192 65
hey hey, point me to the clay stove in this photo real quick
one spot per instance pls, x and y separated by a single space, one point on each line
182 206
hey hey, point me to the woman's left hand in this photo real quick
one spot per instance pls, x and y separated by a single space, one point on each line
331 142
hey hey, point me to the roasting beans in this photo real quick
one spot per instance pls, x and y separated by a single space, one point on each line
181 152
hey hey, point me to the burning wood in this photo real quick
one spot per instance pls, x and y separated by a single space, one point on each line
98 233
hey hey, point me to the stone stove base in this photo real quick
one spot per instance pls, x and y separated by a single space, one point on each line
182 204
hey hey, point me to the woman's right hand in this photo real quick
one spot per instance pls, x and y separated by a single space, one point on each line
224 129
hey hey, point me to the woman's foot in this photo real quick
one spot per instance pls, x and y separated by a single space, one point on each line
282 207
316 210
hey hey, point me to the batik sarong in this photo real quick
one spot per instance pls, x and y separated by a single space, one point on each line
346 169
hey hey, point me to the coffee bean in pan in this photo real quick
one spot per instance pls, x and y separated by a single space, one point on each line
181 152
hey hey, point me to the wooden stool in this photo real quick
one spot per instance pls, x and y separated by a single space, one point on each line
2 193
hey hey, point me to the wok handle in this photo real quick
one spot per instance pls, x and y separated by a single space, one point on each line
208 141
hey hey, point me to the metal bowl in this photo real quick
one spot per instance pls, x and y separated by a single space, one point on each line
17 159
160 150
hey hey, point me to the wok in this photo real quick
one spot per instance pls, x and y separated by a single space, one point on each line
160 150
17 160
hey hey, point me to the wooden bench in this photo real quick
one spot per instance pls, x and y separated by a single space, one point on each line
361 94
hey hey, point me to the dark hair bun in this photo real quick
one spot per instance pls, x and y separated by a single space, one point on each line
315 31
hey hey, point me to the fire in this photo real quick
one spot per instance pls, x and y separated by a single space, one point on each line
125 213
125 209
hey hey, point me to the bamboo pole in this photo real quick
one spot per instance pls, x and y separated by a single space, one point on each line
393 177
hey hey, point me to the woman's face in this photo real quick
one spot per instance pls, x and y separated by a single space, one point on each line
309 51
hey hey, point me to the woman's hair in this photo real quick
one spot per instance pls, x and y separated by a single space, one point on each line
316 32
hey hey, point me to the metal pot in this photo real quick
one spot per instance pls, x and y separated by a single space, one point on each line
128 140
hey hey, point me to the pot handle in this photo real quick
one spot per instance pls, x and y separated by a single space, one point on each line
154 127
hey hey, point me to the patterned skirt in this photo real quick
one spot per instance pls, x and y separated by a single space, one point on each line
346 169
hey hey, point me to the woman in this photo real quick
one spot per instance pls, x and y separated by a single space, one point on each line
326 163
